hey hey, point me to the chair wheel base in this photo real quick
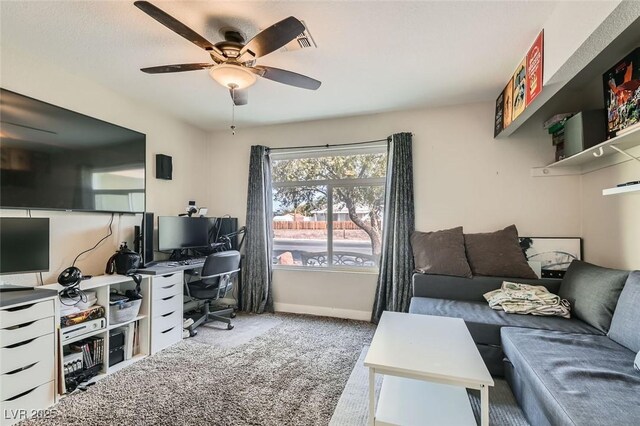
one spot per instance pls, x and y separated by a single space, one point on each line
193 333
229 326
233 314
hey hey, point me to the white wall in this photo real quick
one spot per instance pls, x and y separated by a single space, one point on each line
462 177
74 232
611 224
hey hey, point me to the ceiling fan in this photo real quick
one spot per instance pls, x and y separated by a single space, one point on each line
234 59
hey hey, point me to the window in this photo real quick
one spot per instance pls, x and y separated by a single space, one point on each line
328 207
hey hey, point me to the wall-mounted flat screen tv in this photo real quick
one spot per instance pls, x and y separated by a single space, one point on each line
56 159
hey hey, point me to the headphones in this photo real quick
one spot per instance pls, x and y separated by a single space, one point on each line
70 277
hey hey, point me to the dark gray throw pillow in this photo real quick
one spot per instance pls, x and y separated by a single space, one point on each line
497 254
625 325
440 252
593 292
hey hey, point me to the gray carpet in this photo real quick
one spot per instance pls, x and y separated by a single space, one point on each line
269 370
292 374
245 328
353 406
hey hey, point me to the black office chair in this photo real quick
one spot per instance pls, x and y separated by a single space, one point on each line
216 280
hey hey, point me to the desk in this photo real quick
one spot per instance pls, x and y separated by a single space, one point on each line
11 298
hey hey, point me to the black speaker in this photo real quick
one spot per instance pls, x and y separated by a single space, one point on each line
164 167
225 226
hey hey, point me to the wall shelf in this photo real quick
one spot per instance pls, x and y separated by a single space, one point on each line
612 40
600 156
621 189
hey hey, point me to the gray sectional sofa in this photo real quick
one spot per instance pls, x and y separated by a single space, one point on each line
576 371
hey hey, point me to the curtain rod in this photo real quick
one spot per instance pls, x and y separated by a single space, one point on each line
326 145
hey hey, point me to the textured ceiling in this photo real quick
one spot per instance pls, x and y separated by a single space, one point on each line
371 56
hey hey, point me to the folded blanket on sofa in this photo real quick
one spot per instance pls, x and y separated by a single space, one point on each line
514 298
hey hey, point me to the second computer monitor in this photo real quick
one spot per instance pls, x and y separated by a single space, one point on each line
179 232
24 245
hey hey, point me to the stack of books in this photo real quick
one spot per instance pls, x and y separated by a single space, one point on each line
555 127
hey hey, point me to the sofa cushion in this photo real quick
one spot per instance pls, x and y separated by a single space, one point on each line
580 379
593 292
484 323
497 254
440 252
472 289
625 325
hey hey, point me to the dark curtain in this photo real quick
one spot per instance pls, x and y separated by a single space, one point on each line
396 263
257 269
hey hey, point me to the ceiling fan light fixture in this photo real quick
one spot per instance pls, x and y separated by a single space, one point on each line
232 76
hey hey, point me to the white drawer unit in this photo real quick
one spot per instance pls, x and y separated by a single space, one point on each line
163 322
166 310
29 403
27 360
167 305
167 286
25 353
19 381
165 338
27 331
22 314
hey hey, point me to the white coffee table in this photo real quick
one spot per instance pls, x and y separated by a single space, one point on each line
428 363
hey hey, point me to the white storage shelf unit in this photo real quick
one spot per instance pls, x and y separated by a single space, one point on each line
103 285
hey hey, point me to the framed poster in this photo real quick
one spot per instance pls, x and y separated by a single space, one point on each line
507 111
551 256
535 68
520 89
622 94
499 121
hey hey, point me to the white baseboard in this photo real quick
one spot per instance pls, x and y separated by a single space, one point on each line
323 311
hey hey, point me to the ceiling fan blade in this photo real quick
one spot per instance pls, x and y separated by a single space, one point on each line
178 27
286 77
175 68
273 38
239 97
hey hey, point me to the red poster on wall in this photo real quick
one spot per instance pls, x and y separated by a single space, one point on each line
534 68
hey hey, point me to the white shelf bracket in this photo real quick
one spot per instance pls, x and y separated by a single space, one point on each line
623 152
599 152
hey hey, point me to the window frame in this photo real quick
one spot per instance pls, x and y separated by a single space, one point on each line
330 184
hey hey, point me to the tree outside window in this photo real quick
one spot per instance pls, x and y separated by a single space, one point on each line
328 208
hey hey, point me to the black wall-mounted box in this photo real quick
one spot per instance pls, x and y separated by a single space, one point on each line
164 167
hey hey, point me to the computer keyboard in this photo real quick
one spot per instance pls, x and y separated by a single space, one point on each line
193 261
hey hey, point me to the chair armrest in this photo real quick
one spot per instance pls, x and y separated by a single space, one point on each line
205 277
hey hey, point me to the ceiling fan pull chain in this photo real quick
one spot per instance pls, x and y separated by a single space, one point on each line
233 111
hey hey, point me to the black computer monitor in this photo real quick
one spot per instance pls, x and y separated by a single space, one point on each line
24 245
179 232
